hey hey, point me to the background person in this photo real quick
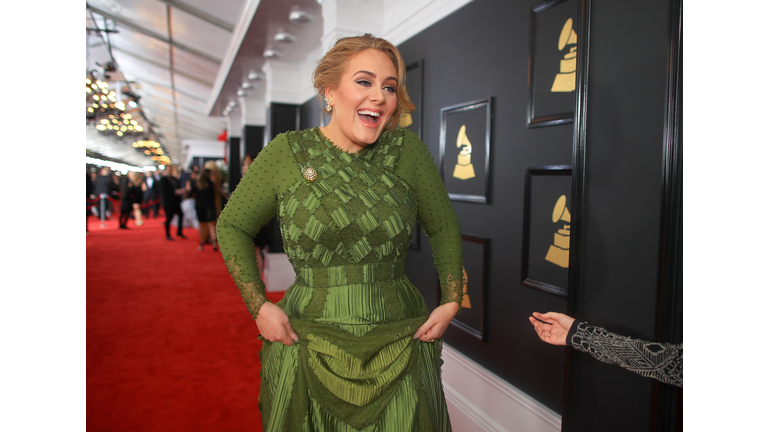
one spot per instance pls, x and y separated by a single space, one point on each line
204 191
170 197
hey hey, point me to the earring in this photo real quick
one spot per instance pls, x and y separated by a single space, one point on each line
328 106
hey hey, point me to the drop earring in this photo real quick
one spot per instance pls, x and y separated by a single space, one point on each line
328 106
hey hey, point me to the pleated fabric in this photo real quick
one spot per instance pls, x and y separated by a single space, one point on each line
347 232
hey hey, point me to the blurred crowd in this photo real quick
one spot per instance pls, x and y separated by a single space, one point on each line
183 198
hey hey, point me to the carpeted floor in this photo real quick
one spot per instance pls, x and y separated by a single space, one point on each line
170 344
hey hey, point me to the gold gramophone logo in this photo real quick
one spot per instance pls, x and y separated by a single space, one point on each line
558 252
565 81
405 120
465 300
464 169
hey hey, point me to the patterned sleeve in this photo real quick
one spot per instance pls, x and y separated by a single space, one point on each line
436 216
252 205
662 361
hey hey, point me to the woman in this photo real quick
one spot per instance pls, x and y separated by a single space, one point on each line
352 344
130 197
217 180
203 191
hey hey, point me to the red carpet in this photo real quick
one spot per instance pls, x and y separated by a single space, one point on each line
170 344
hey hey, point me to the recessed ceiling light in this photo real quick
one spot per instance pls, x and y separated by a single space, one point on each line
285 37
241 92
272 53
246 85
300 17
253 75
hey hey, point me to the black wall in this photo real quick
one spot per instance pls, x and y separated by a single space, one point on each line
234 162
629 172
482 50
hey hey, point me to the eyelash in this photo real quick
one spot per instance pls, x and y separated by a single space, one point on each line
366 83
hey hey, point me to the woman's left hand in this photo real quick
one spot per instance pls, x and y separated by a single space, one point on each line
437 323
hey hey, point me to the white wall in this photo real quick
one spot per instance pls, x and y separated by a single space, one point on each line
478 400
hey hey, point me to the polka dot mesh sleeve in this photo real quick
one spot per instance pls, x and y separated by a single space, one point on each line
253 204
435 215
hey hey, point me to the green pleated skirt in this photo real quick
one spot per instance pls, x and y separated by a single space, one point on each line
356 365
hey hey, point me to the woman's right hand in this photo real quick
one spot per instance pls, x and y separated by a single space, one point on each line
274 325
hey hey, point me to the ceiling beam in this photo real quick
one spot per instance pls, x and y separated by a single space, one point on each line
200 14
163 66
137 28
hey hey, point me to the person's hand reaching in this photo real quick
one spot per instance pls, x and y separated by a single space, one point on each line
556 329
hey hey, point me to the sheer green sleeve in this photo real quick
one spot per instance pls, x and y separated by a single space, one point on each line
435 215
252 205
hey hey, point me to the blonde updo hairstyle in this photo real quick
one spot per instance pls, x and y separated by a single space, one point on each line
331 67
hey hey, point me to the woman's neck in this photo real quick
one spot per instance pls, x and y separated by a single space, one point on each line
334 134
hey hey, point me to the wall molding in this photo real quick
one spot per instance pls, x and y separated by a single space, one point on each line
478 400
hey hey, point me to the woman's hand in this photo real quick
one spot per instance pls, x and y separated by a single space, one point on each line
274 325
556 331
437 323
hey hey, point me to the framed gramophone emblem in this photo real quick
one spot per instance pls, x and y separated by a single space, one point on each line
547 229
553 47
465 148
472 317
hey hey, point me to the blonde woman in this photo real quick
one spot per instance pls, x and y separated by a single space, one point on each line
352 345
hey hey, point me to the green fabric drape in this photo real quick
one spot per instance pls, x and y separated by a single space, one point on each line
347 233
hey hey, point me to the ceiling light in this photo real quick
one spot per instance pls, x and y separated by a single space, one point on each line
246 85
285 37
241 92
300 17
253 75
272 53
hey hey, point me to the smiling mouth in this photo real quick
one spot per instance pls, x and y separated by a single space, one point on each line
369 118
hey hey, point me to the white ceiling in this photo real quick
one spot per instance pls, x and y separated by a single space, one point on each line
187 59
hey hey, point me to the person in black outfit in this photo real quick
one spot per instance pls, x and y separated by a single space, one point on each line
151 192
104 188
130 197
88 194
204 192
170 198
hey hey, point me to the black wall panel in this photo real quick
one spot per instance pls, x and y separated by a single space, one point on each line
622 196
482 50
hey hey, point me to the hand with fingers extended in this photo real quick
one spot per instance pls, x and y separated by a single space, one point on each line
554 329
274 325
437 322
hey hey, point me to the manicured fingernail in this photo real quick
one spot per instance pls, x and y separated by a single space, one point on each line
417 335
294 337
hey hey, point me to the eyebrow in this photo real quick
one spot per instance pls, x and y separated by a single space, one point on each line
374 75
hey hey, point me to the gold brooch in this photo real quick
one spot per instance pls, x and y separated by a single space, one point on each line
309 174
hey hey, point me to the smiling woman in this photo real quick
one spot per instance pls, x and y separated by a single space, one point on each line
352 344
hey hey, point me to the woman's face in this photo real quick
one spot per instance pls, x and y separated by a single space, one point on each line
364 101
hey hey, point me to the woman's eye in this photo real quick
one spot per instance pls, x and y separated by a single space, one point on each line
390 89
364 83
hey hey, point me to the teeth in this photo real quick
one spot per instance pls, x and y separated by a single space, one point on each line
370 113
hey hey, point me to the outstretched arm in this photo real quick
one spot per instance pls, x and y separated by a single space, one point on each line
662 361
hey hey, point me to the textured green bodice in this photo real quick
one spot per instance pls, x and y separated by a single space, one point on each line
347 233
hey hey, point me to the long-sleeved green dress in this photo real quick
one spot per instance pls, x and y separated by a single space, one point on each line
346 232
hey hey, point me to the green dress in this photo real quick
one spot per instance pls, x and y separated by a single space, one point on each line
356 365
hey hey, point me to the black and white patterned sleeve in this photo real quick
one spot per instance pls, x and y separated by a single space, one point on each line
662 361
